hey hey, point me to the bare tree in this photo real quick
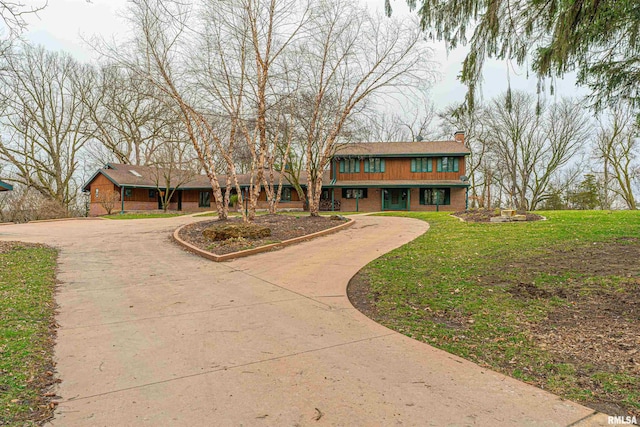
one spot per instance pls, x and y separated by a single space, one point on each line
351 56
157 55
45 120
567 129
13 14
127 116
414 123
531 143
108 200
618 147
244 72
478 169
173 165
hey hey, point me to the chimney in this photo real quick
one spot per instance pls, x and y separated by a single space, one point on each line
459 136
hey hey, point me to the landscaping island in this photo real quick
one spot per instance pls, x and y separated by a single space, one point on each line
553 303
281 228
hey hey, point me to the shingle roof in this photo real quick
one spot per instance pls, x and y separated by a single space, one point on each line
146 177
399 183
5 187
402 148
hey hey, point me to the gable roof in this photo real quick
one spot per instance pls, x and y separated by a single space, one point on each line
403 149
133 176
5 187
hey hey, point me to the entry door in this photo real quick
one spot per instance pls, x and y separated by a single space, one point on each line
395 198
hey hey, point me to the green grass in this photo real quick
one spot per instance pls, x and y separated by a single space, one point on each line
142 215
27 286
452 288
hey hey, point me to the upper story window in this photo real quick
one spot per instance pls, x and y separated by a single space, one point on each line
421 164
349 166
374 165
448 164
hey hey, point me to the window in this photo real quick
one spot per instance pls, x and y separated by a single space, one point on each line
285 195
373 165
435 196
448 164
421 164
97 193
349 166
354 193
128 192
152 194
204 200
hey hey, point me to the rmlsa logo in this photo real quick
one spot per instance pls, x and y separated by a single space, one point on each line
622 420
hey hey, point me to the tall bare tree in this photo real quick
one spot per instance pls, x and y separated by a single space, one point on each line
128 117
351 56
618 147
530 144
157 55
244 72
45 120
476 137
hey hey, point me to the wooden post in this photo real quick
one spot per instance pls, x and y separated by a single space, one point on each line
122 199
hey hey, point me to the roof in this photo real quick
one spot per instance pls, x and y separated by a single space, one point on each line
403 149
409 183
133 176
5 187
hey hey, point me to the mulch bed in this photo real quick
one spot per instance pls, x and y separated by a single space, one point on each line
283 227
485 215
595 329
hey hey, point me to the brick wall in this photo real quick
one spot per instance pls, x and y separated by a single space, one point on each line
457 198
373 202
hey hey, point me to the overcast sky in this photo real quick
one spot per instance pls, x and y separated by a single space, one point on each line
63 22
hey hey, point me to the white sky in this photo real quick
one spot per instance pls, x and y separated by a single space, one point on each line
63 23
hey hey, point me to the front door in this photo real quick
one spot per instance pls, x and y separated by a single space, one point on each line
395 199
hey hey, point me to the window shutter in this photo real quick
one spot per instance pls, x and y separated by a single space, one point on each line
439 164
366 165
341 166
382 165
455 164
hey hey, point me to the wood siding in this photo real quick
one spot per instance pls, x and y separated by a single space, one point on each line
102 184
400 169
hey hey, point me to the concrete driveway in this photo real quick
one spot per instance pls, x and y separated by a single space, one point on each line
152 335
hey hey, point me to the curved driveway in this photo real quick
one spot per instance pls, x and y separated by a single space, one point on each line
152 335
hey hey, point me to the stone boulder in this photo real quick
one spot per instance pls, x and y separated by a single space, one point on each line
236 230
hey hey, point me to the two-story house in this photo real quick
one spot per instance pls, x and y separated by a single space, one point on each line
364 177
412 176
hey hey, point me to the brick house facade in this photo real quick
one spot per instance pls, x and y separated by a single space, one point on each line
364 177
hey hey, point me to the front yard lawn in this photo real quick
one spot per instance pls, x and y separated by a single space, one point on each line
554 303
27 308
